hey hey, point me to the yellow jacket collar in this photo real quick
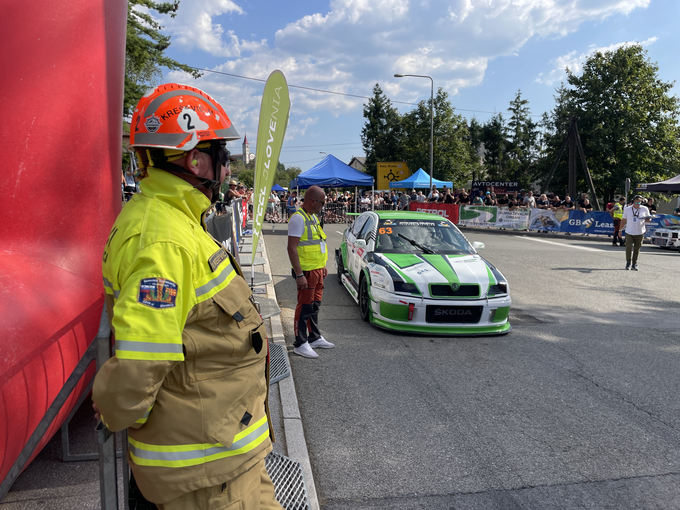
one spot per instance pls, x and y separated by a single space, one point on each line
175 191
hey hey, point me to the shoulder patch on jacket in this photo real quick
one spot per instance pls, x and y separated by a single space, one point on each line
157 293
217 258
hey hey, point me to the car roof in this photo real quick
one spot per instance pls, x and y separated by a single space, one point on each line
394 215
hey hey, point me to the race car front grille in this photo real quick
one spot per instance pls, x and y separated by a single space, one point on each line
447 290
453 314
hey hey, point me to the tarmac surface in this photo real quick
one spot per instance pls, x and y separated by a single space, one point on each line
576 408
51 484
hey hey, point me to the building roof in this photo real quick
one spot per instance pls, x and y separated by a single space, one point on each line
358 162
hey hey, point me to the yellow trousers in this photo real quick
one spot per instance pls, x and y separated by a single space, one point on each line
252 490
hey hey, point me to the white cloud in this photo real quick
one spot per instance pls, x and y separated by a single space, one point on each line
574 62
299 128
354 44
194 28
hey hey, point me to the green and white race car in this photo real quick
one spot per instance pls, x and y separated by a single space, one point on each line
417 272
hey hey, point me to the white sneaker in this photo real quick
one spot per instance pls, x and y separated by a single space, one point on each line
305 351
321 343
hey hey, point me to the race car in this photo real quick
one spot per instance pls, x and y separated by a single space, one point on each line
666 237
416 272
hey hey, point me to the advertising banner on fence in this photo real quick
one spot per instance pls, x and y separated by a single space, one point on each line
478 216
492 216
517 219
448 211
270 133
580 222
544 220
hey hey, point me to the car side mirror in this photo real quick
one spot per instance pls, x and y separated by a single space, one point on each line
360 242
478 246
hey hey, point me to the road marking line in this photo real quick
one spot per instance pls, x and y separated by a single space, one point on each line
560 244
340 232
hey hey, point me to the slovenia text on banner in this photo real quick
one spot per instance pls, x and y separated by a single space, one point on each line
274 113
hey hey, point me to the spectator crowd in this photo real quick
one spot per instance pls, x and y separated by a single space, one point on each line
339 203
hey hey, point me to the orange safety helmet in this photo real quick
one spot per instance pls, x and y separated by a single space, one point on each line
178 117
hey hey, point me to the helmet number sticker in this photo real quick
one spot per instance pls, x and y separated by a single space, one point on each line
189 121
187 117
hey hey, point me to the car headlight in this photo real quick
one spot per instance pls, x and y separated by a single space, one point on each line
498 289
408 288
380 278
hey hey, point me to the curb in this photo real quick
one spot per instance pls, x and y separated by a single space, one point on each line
296 444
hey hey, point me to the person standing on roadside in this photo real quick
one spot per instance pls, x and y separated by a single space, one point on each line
188 379
434 195
291 204
650 205
404 201
617 214
308 254
634 219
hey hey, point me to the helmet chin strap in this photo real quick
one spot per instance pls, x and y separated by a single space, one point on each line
208 184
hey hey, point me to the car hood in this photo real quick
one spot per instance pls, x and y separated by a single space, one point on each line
424 269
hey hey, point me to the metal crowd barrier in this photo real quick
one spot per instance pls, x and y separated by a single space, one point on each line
335 212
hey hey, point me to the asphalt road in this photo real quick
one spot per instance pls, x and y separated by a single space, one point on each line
576 408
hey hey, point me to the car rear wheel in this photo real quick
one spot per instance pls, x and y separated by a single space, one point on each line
364 300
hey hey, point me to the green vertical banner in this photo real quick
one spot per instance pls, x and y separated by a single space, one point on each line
274 113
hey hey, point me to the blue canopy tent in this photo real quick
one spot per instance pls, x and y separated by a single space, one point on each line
330 172
276 187
420 179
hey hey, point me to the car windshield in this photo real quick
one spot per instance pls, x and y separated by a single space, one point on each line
421 236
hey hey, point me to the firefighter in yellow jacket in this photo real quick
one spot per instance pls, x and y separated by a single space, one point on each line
189 378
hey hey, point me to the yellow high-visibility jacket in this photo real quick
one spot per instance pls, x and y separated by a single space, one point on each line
617 211
312 249
187 378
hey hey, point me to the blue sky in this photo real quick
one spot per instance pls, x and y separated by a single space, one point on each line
480 51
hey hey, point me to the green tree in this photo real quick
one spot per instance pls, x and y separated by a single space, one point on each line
247 177
522 142
145 48
381 134
453 153
554 128
476 136
495 142
628 122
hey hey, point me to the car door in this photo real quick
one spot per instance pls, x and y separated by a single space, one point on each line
351 237
361 245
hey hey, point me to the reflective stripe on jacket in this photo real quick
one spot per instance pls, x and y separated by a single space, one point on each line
185 379
310 246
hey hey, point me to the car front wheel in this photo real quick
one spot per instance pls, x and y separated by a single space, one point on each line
341 268
364 300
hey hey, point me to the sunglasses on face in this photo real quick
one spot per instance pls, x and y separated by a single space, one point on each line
218 152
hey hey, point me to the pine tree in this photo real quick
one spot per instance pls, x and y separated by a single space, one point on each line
381 134
522 142
145 48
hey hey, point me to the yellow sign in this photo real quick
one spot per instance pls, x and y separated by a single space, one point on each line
390 172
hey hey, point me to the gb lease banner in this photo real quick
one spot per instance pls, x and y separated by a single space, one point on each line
271 130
